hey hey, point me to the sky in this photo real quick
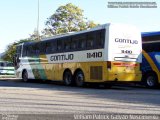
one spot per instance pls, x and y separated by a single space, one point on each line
19 17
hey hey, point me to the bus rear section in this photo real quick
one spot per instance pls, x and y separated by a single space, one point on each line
123 53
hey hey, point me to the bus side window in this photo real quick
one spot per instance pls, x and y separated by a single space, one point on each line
42 46
27 50
100 37
24 51
151 48
36 49
31 50
60 44
54 46
73 44
90 40
156 46
48 47
82 41
67 44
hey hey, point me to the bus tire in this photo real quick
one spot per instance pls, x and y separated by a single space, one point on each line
25 76
68 78
151 80
79 79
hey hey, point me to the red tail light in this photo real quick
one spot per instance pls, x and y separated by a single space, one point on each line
117 64
109 64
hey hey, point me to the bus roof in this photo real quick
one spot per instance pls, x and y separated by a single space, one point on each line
99 27
68 34
154 33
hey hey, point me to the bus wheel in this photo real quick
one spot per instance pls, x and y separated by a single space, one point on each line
67 78
25 76
79 79
151 80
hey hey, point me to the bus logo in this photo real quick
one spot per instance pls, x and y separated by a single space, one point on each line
126 41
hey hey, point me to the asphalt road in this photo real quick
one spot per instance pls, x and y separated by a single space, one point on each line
48 99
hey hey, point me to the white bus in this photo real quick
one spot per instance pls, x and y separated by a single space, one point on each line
104 54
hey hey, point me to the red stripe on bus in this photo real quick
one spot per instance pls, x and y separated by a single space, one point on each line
117 63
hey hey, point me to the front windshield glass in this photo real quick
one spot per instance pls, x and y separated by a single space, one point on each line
157 56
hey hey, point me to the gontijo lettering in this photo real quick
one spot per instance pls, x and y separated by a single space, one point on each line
62 57
126 41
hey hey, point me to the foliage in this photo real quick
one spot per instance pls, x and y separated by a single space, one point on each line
67 18
35 35
11 49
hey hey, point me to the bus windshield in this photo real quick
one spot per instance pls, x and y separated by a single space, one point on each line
157 57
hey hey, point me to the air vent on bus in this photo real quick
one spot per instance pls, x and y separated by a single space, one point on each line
96 72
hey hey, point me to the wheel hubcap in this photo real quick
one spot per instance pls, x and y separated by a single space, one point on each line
25 77
68 79
80 79
150 81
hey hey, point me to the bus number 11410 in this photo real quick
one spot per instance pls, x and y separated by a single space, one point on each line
94 55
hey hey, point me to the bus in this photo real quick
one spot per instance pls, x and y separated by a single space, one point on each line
105 54
151 59
6 68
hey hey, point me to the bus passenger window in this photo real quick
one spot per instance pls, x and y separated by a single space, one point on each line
59 45
54 46
31 50
24 51
48 47
100 38
90 40
36 48
74 44
82 42
42 47
27 51
67 44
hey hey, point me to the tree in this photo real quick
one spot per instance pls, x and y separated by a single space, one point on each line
11 50
67 18
35 35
